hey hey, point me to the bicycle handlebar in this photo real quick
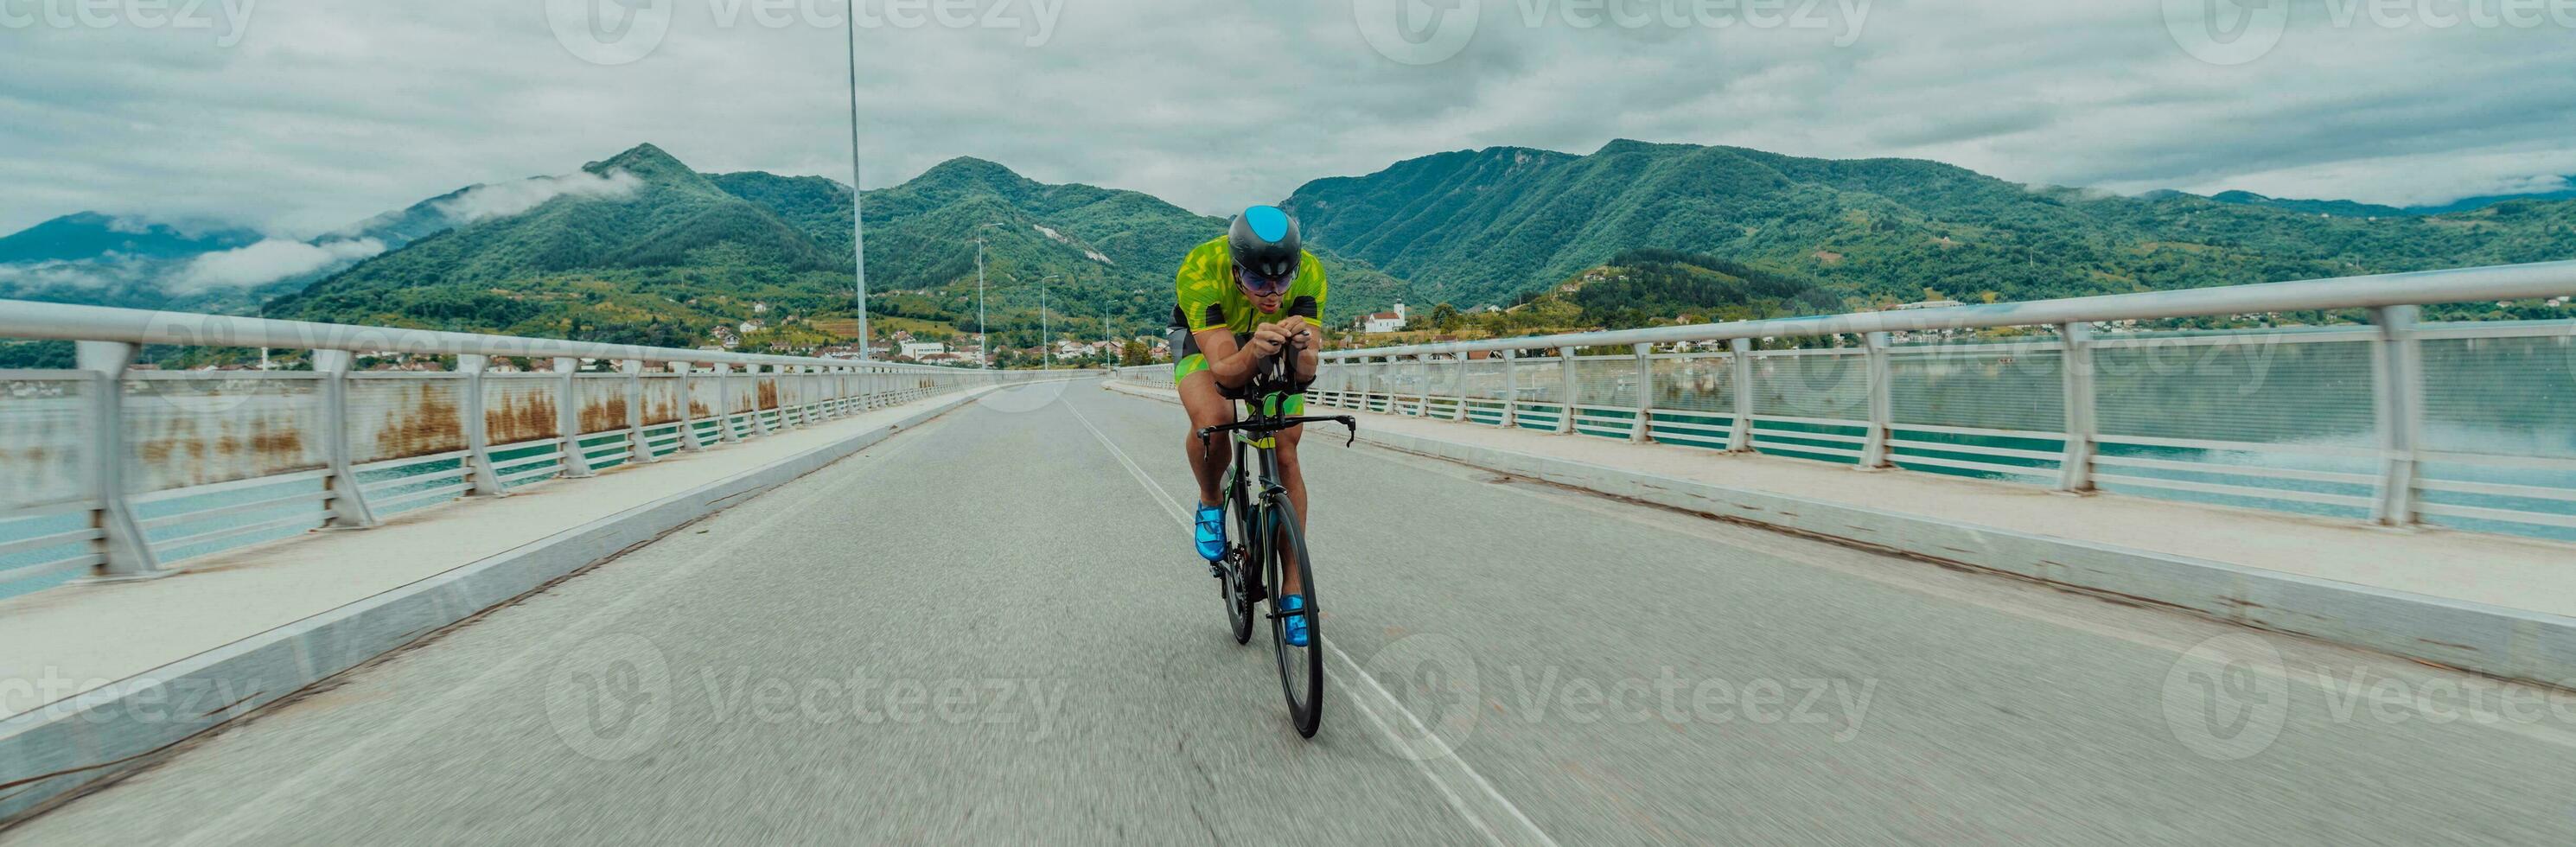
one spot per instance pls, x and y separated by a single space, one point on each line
1269 425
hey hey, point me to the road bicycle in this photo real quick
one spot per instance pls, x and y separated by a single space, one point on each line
1267 541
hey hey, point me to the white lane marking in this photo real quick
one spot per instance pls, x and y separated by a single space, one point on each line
249 820
1528 831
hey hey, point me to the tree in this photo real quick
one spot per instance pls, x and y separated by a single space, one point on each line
1444 317
1135 353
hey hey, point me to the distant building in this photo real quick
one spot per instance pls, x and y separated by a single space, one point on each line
918 349
1382 322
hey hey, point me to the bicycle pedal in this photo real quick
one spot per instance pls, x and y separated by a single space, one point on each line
1292 613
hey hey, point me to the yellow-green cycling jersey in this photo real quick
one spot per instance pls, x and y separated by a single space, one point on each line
1209 299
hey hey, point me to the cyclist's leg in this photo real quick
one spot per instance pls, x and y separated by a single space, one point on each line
1207 407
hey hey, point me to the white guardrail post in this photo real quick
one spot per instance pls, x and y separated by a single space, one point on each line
1873 450
635 440
2400 374
723 407
1458 387
121 545
1643 431
1422 386
477 425
1511 389
1568 392
689 440
2075 468
1739 435
576 462
348 499
760 427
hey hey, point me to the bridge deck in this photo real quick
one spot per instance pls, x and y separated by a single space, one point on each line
76 638
989 630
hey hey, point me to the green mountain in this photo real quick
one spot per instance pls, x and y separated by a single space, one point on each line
1477 226
88 235
670 254
2350 209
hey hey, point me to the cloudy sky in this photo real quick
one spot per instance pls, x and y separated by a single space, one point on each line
302 115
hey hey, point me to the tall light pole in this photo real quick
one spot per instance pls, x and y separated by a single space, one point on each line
982 347
1046 342
858 218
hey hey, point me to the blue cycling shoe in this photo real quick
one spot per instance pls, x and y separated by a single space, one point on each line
1296 625
1211 532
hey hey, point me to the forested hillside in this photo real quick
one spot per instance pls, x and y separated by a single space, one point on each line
1486 225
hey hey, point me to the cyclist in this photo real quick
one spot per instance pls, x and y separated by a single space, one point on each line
1244 299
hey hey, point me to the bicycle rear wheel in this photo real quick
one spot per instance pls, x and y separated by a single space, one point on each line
1301 669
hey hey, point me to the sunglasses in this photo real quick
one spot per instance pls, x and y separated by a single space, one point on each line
1263 286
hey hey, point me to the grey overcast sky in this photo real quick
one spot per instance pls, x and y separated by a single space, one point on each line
302 115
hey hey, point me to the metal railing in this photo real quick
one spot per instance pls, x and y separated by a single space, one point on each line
2401 421
118 472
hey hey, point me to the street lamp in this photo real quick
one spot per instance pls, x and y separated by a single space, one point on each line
982 350
858 218
1046 342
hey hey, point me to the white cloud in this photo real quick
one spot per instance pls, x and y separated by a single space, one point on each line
501 200
270 261
92 274
293 129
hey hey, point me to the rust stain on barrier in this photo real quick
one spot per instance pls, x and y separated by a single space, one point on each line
768 394
660 407
424 425
181 451
603 415
516 419
698 411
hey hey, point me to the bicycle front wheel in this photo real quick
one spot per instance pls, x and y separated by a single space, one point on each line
1239 572
1301 669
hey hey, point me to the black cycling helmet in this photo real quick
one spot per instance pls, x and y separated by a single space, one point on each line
1265 249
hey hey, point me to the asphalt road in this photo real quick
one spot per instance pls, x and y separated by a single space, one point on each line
990 630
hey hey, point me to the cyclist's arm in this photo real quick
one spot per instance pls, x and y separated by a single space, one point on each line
1232 365
1307 310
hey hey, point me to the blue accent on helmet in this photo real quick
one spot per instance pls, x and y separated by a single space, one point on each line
1267 221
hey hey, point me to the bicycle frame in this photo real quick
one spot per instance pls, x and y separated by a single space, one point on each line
1256 433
